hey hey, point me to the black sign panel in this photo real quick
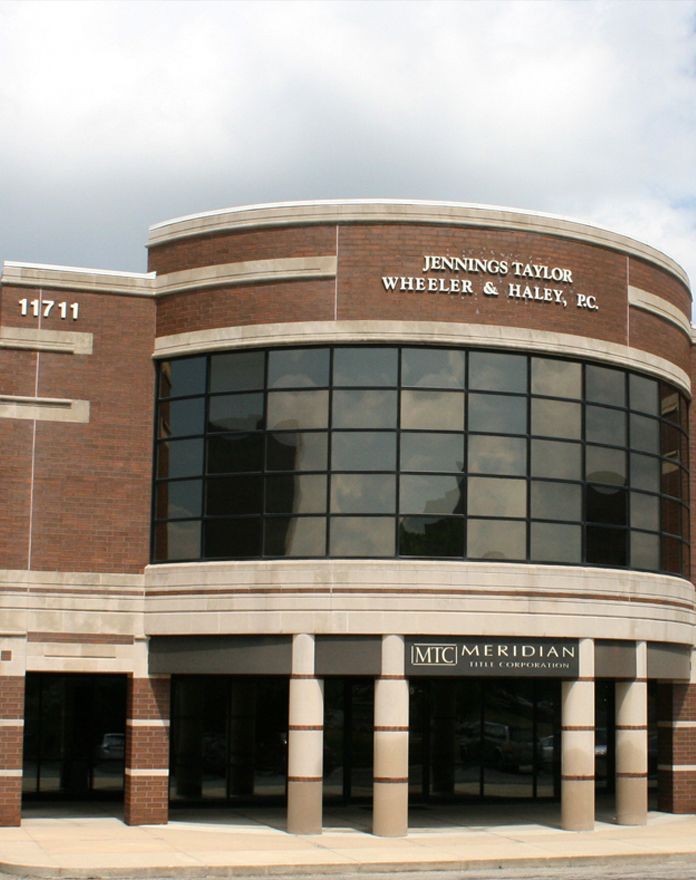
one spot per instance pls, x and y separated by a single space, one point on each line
495 656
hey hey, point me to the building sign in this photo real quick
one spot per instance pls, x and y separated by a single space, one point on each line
515 280
462 656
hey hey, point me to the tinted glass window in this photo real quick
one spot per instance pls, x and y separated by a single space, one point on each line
182 377
645 511
560 460
556 418
229 495
232 538
496 497
645 472
555 501
643 394
180 498
180 458
429 494
497 414
556 378
604 465
236 412
363 451
431 536
290 493
604 385
298 368
645 434
180 417
432 452
496 539
605 546
362 536
366 366
296 450
645 551
364 409
295 536
363 493
228 453
298 409
432 410
238 371
178 540
553 542
497 372
497 455
604 504
604 425
432 368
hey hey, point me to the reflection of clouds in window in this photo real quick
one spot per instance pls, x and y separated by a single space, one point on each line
556 378
438 410
363 493
183 540
298 368
605 465
364 409
363 451
498 413
489 539
497 372
362 536
497 455
435 368
298 409
494 497
432 452
426 494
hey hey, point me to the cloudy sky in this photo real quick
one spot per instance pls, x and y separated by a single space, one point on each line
117 115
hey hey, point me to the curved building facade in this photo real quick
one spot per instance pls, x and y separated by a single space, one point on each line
412 523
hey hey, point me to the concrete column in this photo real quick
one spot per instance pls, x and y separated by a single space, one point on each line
12 678
147 750
390 773
577 745
305 740
632 745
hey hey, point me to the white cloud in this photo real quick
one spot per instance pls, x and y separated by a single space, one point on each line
122 114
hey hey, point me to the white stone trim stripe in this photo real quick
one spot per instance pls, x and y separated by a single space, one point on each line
405 211
130 771
247 272
44 409
59 341
430 332
154 722
11 722
11 773
656 305
678 768
77 279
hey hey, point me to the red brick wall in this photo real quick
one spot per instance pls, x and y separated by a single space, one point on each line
91 498
147 748
676 746
664 284
233 247
11 745
651 333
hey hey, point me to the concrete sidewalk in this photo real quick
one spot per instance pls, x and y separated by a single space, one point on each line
65 841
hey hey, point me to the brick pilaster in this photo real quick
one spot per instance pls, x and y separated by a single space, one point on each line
147 751
676 748
11 745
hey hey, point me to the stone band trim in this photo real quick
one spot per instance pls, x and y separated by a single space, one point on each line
305 726
430 332
391 677
11 773
148 722
11 722
648 302
246 272
403 211
301 676
631 727
305 778
677 768
74 278
578 777
57 341
390 780
578 726
675 725
80 638
131 771
44 409
621 775
395 728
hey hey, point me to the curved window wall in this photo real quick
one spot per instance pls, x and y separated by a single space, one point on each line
358 451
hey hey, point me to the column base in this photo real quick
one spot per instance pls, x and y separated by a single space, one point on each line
390 809
577 804
146 800
631 800
10 801
304 806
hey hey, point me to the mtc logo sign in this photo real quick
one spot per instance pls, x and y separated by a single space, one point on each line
433 655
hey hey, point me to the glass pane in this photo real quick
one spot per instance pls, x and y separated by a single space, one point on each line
181 498
363 451
556 418
235 412
498 414
489 371
432 410
604 465
645 512
605 505
497 455
605 425
362 536
556 501
177 540
364 409
431 536
432 452
673 480
232 538
298 409
180 458
643 394
180 417
297 451
295 536
230 453
606 546
554 542
363 493
645 551
671 441
288 493
645 433
230 495
669 404
298 368
182 377
645 472
496 539
365 366
560 460
432 368
431 494
556 378
237 371
673 517
494 497
604 385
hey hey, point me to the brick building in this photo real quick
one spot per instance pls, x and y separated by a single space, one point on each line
349 501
